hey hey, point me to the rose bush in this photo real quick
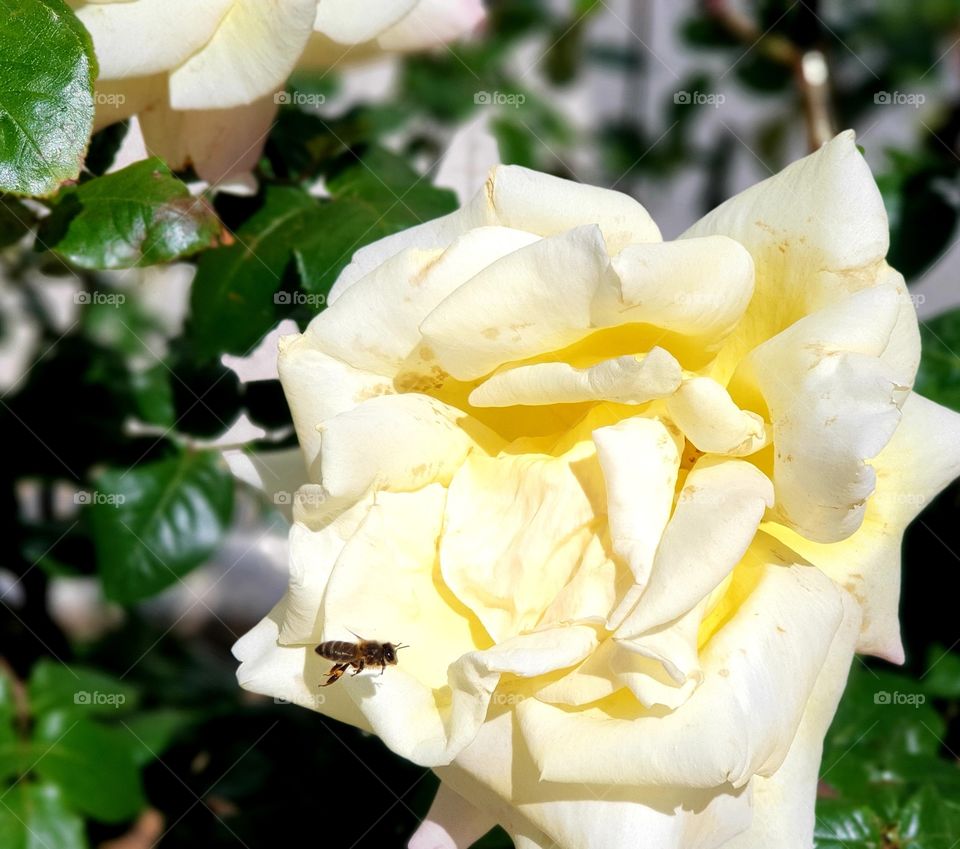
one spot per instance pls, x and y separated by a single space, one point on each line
203 77
633 504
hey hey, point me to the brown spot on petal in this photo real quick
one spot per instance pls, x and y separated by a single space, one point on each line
373 392
423 382
724 672
490 332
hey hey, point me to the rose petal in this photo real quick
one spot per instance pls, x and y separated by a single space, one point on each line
919 461
392 593
834 404
718 513
498 775
632 379
784 803
396 442
278 474
469 157
250 55
543 510
284 672
451 823
712 421
319 387
828 241
313 554
521 199
339 20
638 505
548 206
759 670
219 143
376 324
433 23
694 287
484 324
149 36
433 702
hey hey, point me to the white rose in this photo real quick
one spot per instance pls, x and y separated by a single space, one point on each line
633 504
203 77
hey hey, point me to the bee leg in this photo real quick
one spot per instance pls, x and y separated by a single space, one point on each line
359 665
334 674
383 667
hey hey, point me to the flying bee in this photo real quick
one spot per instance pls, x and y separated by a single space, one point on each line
359 655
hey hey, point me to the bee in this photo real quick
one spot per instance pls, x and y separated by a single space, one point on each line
358 655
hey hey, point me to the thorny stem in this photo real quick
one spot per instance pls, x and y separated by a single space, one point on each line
809 66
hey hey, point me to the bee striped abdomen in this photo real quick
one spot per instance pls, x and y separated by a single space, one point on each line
340 650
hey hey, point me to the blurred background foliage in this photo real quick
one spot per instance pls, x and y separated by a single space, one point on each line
120 514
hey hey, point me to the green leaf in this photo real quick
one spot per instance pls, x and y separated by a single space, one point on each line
9 755
840 824
918 192
384 178
36 816
152 395
928 821
939 374
155 731
884 739
140 215
93 766
232 302
154 523
77 690
47 68
15 221
374 196
338 230
942 679
8 708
